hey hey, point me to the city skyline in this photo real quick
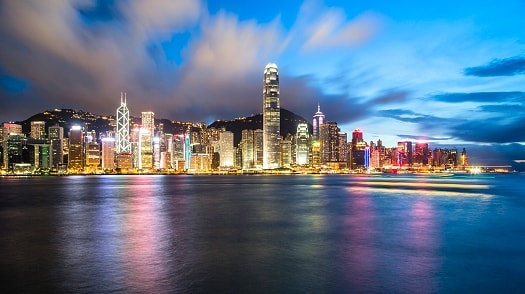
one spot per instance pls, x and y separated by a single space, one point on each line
450 74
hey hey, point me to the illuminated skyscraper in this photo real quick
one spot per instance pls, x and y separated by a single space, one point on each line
226 149
56 138
122 140
342 149
271 117
421 153
76 149
38 130
10 129
302 144
405 153
108 153
329 139
358 159
92 156
317 122
248 157
148 122
146 150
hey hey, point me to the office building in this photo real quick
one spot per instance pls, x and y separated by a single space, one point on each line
92 156
76 149
108 153
148 122
145 150
122 142
226 150
38 130
329 142
56 138
357 153
317 121
302 144
421 154
271 117
405 151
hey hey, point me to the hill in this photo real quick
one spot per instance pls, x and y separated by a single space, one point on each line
289 121
105 123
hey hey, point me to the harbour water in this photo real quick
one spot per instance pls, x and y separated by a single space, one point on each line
263 234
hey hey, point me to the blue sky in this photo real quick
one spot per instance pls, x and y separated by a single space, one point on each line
449 72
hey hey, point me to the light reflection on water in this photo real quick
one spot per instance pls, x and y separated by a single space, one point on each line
293 234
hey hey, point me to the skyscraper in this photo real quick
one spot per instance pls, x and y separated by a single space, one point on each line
226 149
76 149
318 120
329 139
56 137
405 153
271 117
421 153
302 144
148 122
38 130
108 154
122 140
358 150
146 150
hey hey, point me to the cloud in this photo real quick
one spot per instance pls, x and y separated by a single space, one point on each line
82 54
391 96
410 116
500 130
515 96
498 67
70 63
502 109
322 28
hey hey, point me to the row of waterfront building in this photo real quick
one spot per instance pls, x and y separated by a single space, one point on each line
147 148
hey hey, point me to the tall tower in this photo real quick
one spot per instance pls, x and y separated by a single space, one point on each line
56 136
76 148
38 130
122 140
329 139
318 120
226 149
271 117
358 150
148 122
302 144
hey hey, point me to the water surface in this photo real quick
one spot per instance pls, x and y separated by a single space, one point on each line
263 234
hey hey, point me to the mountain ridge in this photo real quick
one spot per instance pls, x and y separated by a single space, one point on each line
103 123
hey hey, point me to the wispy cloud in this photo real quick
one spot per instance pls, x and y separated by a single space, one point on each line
515 96
391 96
501 129
499 67
406 115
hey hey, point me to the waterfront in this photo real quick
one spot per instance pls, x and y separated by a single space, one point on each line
263 234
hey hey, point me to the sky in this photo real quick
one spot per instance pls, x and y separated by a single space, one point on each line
451 73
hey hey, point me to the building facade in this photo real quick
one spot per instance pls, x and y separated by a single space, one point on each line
56 138
76 149
302 144
122 141
317 121
271 117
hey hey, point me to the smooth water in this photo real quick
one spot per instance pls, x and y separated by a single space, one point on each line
263 234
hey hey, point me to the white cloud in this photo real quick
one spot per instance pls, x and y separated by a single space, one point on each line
320 27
